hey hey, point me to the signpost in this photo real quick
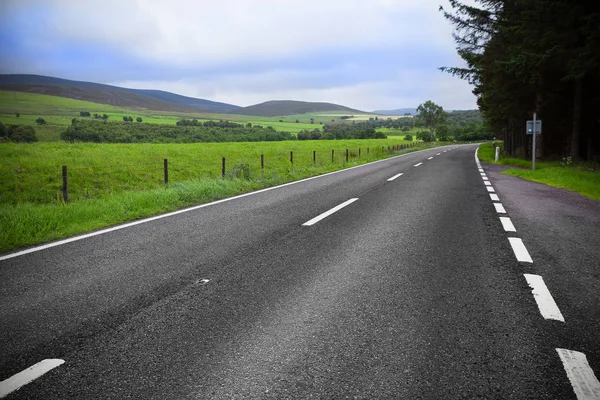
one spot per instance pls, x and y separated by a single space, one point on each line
530 131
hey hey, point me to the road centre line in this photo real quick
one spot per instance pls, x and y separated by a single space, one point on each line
580 374
543 298
494 197
328 213
499 208
487 183
438 154
26 376
489 188
430 158
520 250
481 170
395 176
485 178
416 165
507 224
170 214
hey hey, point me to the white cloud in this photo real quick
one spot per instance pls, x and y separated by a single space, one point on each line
180 32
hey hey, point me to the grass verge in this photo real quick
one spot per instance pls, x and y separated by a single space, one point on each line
580 177
27 223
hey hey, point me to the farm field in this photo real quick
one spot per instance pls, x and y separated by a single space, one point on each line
114 183
58 113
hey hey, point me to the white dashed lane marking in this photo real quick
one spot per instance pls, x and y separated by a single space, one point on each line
499 208
520 250
328 213
487 183
580 374
489 188
416 165
438 154
507 224
30 374
494 197
395 176
543 298
430 158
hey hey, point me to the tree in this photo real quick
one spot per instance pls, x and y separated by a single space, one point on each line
3 131
40 121
408 138
297 121
125 119
84 114
443 133
17 114
104 117
431 115
139 119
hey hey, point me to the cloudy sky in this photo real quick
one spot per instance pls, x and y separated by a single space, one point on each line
365 54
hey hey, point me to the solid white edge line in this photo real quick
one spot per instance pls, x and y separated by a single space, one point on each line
395 176
494 197
499 208
26 376
543 298
489 188
520 250
328 213
580 374
507 224
184 210
416 165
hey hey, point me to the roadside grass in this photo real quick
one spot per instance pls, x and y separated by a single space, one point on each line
580 177
32 211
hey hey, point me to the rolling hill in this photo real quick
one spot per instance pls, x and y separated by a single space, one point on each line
397 112
277 108
114 95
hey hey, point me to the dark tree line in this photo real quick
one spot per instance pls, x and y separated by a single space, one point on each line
526 56
361 130
125 132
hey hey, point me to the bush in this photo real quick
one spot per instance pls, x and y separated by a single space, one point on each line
425 136
40 121
22 134
408 138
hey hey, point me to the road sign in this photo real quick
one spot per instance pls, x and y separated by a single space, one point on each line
538 127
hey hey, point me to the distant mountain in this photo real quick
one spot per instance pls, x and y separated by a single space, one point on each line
114 95
277 108
399 111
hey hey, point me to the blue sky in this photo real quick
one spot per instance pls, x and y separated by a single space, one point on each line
367 54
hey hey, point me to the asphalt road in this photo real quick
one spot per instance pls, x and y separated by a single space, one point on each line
411 291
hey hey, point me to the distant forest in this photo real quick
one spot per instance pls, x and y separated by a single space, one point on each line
531 56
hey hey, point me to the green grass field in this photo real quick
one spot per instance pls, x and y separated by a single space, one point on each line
114 183
59 111
582 177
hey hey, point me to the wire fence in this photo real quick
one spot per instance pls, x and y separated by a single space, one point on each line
71 183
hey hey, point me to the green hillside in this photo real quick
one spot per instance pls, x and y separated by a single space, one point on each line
290 107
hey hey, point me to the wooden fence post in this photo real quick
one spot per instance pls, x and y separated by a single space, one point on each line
65 184
262 163
166 169
346 155
314 157
359 152
292 157
223 167
332 151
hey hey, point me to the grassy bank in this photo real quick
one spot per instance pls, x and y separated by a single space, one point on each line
580 177
111 184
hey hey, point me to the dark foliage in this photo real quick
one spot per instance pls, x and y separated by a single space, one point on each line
124 132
